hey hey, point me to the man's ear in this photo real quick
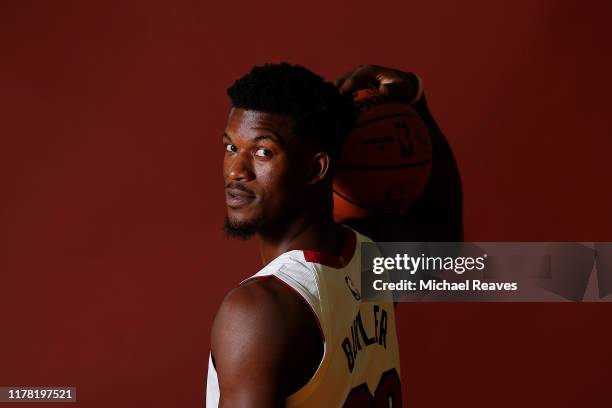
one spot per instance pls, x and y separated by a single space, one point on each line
320 168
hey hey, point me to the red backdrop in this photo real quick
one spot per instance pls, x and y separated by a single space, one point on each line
112 259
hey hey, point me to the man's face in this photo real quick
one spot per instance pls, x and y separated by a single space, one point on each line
264 168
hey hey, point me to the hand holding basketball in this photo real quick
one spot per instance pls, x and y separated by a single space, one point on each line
385 161
405 86
437 214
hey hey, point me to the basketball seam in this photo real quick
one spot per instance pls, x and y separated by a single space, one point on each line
355 203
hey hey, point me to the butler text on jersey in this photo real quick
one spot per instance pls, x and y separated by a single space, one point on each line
352 343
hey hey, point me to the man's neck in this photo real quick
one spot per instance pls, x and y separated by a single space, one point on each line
306 232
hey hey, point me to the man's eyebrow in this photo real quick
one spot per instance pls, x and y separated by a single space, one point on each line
266 137
272 136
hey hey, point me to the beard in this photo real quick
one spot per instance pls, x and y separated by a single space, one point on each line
240 229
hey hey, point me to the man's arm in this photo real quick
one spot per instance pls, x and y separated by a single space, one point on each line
256 332
440 206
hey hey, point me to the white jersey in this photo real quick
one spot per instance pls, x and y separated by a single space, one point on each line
360 364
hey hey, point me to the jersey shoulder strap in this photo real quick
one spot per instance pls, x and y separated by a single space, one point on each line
298 275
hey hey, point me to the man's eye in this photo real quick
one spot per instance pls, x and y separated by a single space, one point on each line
261 152
231 148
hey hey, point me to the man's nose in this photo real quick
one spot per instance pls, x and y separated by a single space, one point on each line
240 167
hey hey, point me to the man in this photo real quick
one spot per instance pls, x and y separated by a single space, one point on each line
297 334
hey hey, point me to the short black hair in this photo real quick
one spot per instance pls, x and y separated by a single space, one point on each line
319 112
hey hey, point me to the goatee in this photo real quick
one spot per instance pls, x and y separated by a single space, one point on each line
240 230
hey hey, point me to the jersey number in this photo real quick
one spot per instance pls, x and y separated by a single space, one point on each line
388 393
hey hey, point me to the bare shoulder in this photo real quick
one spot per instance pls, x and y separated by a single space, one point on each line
257 329
255 307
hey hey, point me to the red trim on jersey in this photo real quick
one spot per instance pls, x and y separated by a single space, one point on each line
335 261
296 293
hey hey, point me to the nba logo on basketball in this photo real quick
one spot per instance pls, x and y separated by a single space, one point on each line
385 161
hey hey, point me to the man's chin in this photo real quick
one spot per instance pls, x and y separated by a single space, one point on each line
240 229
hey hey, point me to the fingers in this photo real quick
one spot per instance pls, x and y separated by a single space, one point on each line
358 78
406 86
340 80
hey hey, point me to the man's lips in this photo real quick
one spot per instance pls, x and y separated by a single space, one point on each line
235 198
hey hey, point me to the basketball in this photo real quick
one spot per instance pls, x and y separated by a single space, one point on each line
385 162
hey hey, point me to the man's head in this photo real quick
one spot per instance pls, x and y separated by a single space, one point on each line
282 139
